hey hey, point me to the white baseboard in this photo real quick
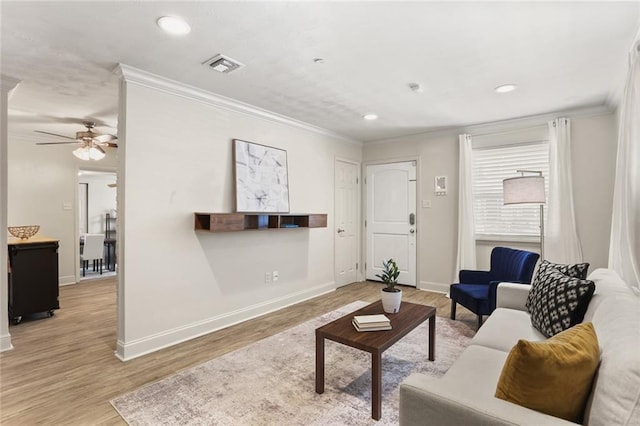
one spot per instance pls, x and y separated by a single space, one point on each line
5 343
435 287
66 280
126 351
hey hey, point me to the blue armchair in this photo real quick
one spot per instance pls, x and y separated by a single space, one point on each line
477 289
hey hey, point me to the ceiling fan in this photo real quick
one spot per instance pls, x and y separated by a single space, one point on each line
91 143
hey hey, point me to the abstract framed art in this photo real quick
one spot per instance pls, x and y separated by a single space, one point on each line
262 183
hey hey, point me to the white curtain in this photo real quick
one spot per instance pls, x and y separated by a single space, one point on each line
561 244
624 248
466 229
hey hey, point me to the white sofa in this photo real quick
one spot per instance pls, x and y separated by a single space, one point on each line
465 394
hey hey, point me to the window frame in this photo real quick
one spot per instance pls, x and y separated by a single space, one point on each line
531 232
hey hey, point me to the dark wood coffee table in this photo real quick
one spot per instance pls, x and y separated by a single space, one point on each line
375 342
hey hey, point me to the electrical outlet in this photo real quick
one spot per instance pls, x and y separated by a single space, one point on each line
275 276
267 277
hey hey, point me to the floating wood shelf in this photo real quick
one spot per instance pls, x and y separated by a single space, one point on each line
228 222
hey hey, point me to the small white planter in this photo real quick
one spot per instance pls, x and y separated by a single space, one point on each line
391 301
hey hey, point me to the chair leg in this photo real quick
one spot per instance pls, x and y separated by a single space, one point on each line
479 321
453 309
84 268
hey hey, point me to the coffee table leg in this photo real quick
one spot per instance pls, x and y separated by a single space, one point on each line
376 386
432 338
319 364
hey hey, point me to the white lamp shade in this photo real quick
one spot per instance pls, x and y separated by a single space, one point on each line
89 153
523 190
82 153
96 153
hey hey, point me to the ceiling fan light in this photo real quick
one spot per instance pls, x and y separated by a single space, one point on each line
96 153
82 153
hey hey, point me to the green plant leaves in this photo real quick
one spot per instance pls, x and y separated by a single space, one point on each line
390 273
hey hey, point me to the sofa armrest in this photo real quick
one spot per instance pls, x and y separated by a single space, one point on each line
426 400
512 296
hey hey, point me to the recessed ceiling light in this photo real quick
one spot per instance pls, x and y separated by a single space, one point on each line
505 88
174 25
370 117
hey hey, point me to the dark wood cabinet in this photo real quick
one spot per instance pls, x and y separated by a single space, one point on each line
226 222
33 277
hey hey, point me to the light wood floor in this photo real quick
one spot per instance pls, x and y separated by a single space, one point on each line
63 369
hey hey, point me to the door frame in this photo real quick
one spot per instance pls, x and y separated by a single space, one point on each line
76 204
359 211
363 216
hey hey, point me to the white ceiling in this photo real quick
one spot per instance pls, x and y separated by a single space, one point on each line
562 55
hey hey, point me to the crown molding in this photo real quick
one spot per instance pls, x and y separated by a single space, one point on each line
8 83
143 78
519 123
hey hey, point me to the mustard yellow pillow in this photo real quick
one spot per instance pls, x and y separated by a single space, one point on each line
553 376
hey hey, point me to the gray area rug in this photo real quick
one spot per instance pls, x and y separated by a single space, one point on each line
272 381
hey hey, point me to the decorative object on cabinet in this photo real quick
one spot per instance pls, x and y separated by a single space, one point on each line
262 183
225 222
32 289
24 232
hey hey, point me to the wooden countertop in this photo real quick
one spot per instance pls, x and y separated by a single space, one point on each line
35 239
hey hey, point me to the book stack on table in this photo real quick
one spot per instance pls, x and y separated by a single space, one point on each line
376 322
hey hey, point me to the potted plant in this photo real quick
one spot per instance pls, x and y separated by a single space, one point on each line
391 296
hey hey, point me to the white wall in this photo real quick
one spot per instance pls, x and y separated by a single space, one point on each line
7 85
437 225
594 143
176 159
42 184
593 168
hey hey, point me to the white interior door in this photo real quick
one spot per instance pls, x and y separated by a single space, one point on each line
346 222
391 223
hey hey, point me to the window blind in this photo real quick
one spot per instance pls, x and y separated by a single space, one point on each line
490 167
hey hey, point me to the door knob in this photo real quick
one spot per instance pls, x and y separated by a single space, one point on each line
413 231
340 231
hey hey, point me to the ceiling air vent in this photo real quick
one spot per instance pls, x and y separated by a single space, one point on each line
223 64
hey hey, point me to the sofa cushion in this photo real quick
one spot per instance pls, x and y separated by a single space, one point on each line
554 376
578 270
504 328
608 283
478 365
616 390
560 302
464 395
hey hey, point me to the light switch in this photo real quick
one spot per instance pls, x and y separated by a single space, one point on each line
66 206
426 204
